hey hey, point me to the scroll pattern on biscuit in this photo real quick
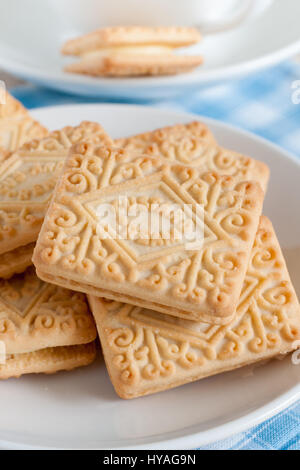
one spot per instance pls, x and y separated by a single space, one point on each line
193 144
16 261
175 36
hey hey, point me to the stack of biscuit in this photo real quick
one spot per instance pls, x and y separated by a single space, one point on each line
126 51
167 312
44 328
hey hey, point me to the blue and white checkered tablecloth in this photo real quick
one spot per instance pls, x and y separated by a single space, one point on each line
261 103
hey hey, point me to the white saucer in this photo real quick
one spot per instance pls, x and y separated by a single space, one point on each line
31 34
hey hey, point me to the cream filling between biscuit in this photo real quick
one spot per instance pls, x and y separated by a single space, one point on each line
128 50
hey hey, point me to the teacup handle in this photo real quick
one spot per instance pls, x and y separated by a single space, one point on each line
249 9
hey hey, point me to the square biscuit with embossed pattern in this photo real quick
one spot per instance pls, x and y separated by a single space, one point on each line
36 315
17 126
133 51
43 328
152 270
147 352
194 144
27 179
48 360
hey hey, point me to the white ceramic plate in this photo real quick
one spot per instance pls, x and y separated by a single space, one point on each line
31 34
80 409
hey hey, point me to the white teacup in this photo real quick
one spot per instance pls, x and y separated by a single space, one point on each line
208 15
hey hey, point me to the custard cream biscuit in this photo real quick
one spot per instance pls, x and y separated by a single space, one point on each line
48 360
28 177
35 315
123 64
76 246
147 352
133 51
